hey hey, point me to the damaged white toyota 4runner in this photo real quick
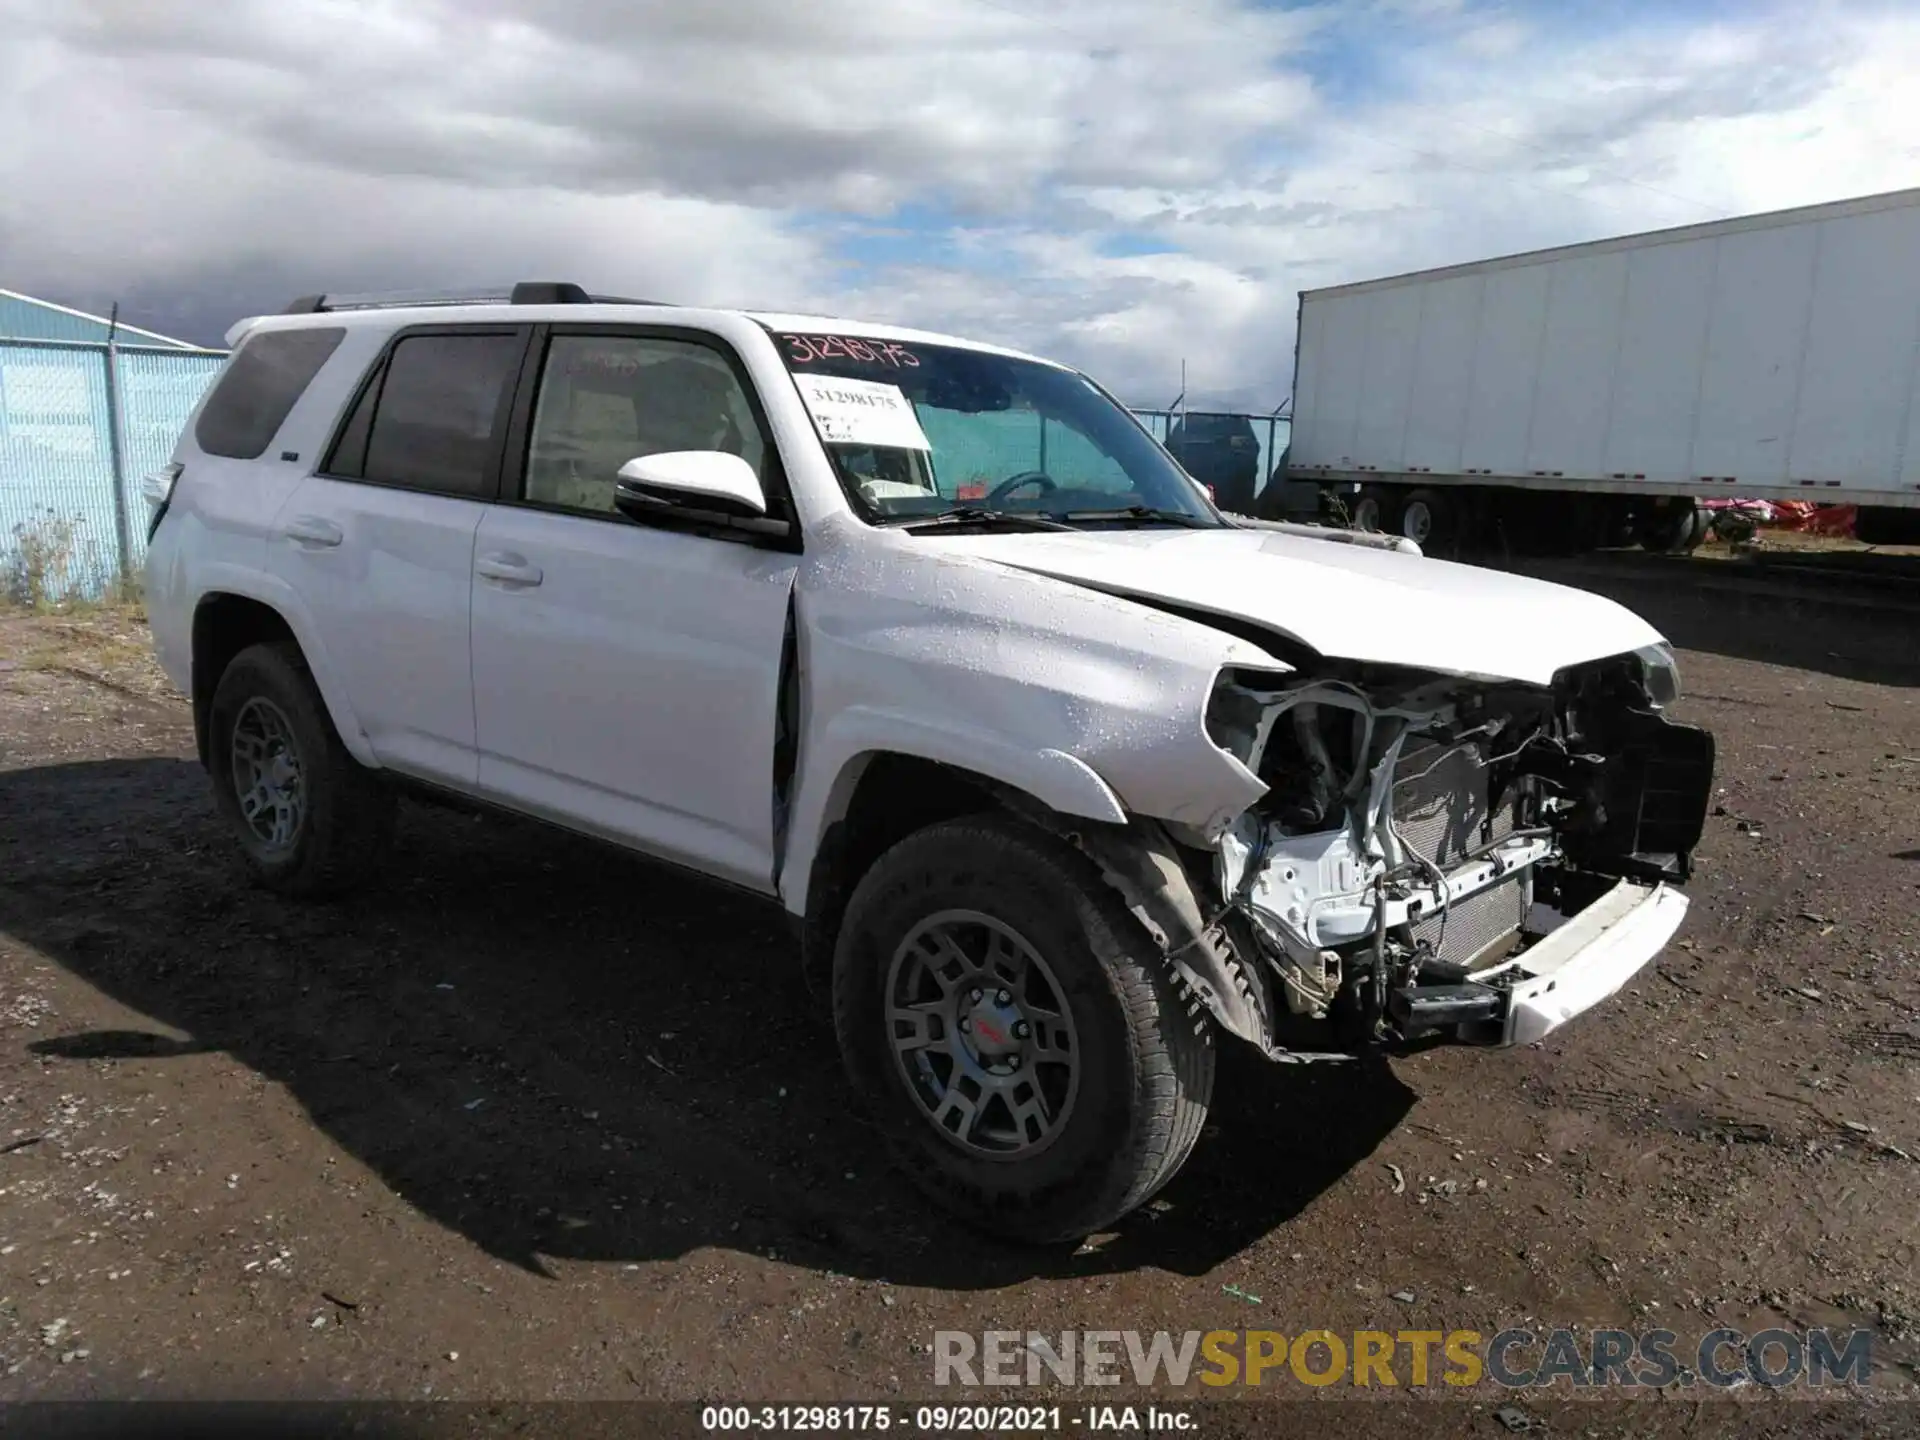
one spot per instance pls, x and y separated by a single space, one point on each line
1060 772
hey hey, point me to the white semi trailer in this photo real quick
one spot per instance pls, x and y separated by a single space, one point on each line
1595 393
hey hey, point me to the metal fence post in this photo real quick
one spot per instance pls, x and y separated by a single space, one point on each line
117 451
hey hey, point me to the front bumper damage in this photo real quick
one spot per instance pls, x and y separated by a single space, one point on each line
1436 861
1589 958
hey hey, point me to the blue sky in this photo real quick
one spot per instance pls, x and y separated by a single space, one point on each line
1128 184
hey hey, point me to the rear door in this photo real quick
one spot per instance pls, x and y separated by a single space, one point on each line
379 542
626 677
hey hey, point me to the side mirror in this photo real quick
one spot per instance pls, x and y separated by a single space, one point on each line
709 480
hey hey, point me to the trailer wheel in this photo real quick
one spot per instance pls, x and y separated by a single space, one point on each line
1701 528
1370 509
1430 519
1672 529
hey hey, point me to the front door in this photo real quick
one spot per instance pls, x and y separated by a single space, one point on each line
626 678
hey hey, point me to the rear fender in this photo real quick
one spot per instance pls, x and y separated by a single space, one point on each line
254 584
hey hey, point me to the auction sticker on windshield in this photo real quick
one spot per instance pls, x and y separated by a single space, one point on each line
862 412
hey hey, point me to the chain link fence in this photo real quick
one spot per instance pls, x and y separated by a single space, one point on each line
80 423
1234 452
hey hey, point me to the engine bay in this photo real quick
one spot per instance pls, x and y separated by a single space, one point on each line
1422 834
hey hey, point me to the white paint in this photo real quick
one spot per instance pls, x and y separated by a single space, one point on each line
1591 956
631 692
862 412
952 657
384 574
1775 349
695 475
1350 601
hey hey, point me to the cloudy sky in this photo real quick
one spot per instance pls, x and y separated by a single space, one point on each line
1122 183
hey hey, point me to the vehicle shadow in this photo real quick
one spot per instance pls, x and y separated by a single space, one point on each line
1843 636
562 1052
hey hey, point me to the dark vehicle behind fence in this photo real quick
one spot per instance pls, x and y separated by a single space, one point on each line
1222 453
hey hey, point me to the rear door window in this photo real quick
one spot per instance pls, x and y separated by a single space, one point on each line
432 417
268 373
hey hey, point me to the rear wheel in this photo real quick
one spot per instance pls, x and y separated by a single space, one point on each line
310 820
1674 528
1431 519
1015 1033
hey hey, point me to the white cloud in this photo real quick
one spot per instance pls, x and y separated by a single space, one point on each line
200 159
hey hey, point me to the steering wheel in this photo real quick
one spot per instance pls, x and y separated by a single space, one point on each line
1026 477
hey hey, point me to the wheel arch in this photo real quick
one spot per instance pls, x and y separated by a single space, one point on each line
227 621
880 795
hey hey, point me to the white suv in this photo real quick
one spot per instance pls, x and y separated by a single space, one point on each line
1059 771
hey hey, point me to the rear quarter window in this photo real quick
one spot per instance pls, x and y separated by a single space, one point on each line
268 373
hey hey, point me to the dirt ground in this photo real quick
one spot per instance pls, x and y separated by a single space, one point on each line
535 1120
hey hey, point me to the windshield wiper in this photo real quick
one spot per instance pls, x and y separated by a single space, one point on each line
1144 513
975 515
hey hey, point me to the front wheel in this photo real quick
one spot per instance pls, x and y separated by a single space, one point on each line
1015 1033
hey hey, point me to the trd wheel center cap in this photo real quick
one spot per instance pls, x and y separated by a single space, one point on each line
992 1028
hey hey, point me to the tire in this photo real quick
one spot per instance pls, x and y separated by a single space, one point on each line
1698 528
335 819
1124 1115
1673 529
1371 508
1430 519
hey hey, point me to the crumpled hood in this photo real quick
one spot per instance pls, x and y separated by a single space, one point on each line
1347 601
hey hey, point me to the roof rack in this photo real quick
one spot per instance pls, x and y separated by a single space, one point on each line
526 292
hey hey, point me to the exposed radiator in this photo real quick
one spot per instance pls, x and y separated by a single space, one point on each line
1441 809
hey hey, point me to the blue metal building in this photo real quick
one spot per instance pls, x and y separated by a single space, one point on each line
24 318
86 408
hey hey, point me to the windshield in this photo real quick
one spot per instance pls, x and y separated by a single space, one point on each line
923 430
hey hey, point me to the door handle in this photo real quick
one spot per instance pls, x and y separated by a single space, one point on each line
312 531
510 570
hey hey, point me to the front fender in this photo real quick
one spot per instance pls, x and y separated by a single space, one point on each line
846 743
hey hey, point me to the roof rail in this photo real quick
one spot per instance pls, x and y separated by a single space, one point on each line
526 292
